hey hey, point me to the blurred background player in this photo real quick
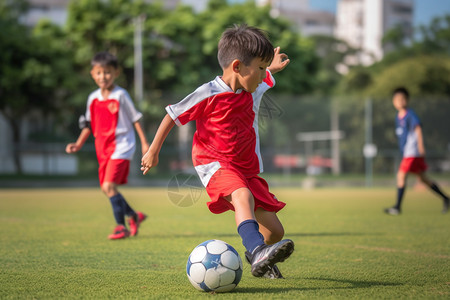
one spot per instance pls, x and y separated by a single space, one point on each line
225 149
110 116
411 142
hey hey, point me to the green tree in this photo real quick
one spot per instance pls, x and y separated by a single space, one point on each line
34 69
180 46
422 75
333 53
435 38
299 76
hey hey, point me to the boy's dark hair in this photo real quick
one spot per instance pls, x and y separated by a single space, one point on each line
401 90
105 59
244 42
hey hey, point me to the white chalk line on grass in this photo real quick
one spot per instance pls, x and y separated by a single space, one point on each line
379 249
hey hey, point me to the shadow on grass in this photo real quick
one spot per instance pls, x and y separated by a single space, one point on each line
328 284
356 283
325 234
289 235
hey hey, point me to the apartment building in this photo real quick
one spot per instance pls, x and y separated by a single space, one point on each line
307 21
363 24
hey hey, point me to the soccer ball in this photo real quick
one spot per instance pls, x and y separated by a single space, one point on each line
214 266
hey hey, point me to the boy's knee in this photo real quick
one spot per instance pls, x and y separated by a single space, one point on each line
240 197
401 179
109 189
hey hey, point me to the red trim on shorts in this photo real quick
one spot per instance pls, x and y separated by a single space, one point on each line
226 181
413 165
114 170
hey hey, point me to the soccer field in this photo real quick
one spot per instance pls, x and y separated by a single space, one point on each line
54 245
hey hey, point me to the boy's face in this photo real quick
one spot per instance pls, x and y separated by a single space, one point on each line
399 101
104 76
253 74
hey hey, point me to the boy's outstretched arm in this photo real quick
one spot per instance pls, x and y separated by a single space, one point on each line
75 147
150 159
140 132
279 62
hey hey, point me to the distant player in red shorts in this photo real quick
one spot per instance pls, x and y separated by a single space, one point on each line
410 138
110 116
225 151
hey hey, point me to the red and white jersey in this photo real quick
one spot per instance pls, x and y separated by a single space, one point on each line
227 127
112 124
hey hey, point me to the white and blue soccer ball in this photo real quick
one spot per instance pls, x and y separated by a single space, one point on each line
214 266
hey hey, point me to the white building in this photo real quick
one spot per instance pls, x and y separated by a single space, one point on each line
308 22
363 24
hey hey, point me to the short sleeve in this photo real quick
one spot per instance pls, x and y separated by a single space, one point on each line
91 98
413 120
192 106
129 107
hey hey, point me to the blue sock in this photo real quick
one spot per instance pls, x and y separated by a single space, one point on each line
400 192
128 211
251 237
118 210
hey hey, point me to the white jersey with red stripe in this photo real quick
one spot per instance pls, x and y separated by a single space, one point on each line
227 127
112 123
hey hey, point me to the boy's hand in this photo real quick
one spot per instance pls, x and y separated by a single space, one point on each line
279 62
72 148
149 160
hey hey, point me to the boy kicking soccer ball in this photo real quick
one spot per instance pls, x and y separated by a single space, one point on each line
226 152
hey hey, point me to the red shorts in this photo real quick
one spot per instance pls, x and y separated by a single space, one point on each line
226 181
114 170
413 165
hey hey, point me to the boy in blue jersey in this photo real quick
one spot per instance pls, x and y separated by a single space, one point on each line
410 139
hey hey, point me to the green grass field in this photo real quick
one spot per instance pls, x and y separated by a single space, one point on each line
54 245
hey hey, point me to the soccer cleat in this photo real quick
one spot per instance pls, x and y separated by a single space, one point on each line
135 221
264 257
393 211
120 232
273 273
445 209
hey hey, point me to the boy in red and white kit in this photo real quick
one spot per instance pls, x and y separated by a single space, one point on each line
226 153
110 116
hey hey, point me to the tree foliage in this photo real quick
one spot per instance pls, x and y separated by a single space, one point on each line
180 46
46 68
35 72
333 53
422 75
417 64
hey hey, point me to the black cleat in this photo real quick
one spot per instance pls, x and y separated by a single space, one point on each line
266 256
273 273
393 211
